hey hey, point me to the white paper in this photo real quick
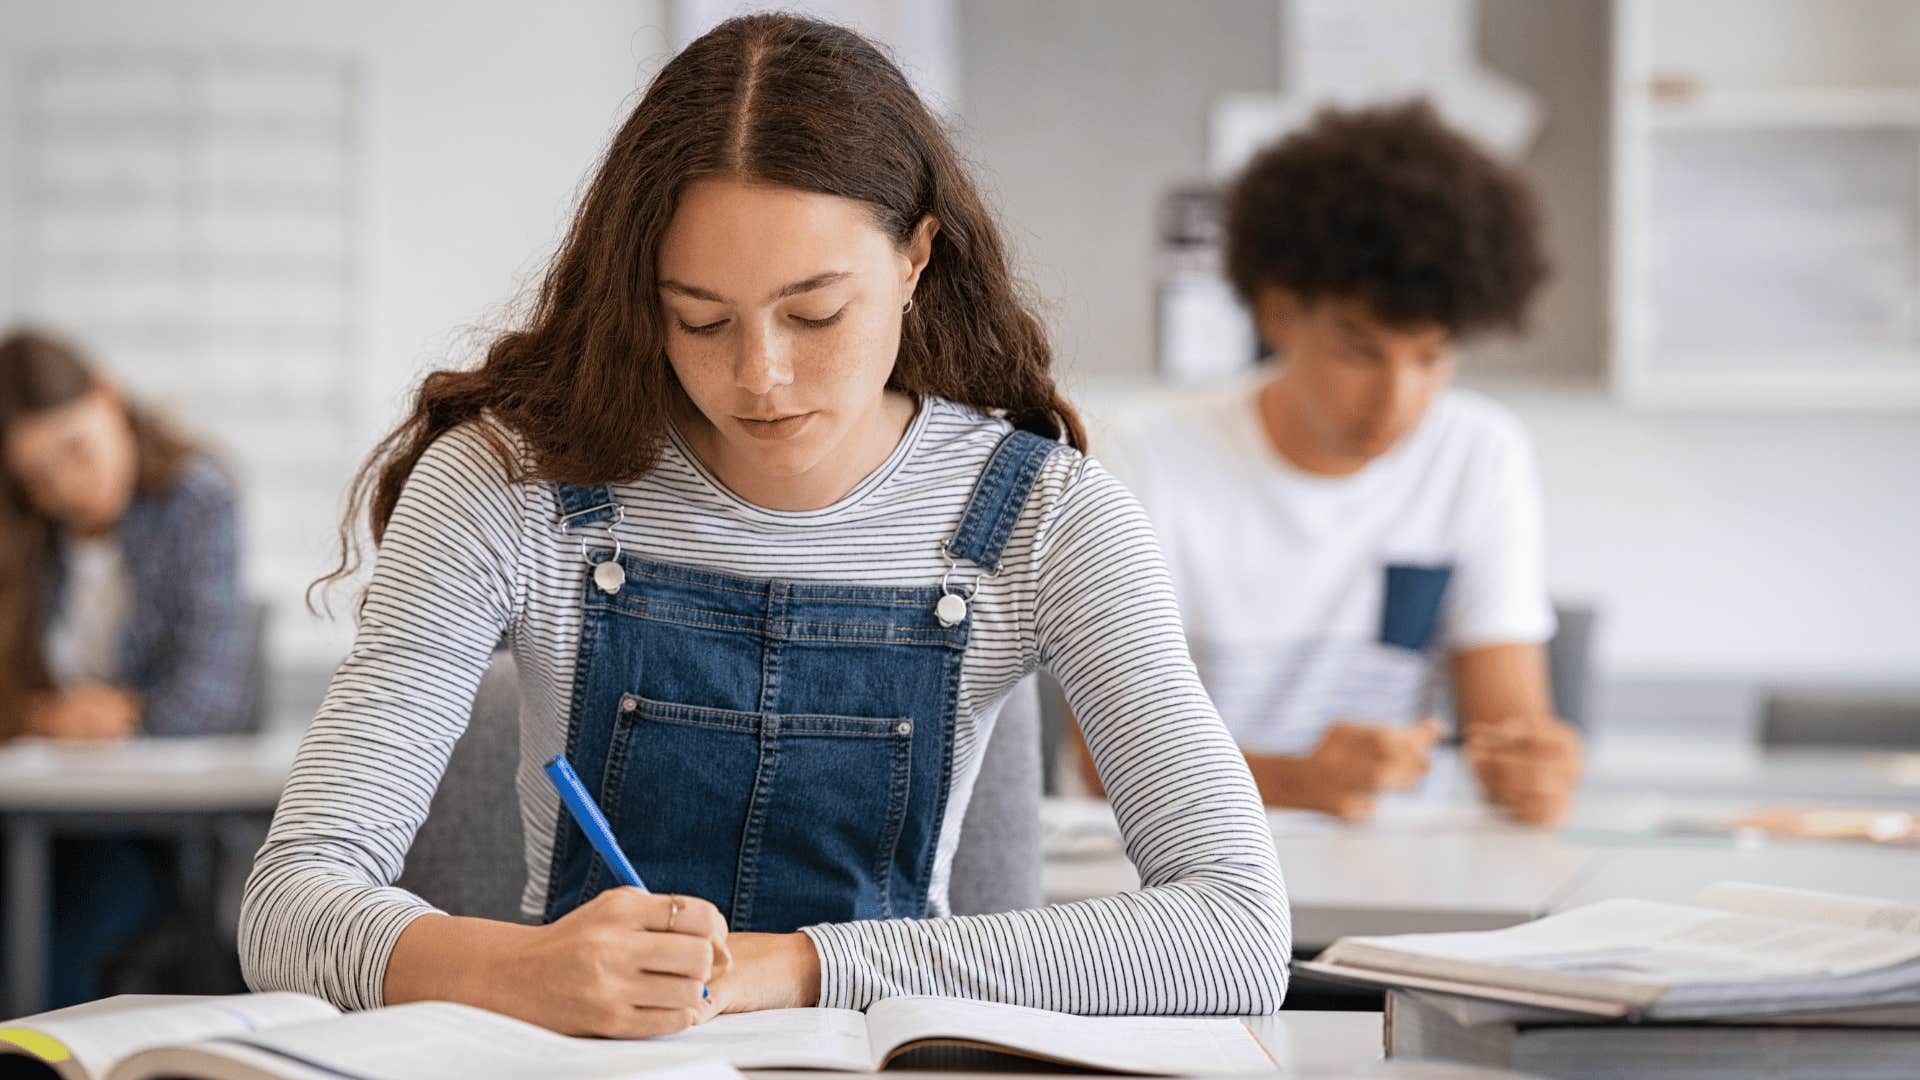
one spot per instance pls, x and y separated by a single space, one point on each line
1808 905
437 1040
781 1038
1163 1045
103 1035
1658 944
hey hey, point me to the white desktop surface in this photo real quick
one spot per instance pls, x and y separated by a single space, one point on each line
1674 874
199 773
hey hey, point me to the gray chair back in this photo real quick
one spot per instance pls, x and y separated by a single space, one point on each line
1570 662
259 623
1855 718
997 866
467 858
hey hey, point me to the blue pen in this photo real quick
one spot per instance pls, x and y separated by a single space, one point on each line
586 813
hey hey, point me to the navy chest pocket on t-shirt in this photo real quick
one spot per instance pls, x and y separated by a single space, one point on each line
1412 605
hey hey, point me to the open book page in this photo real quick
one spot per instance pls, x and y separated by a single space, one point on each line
100 1034
1626 947
1808 905
1472 1012
433 1039
1156 1045
781 1039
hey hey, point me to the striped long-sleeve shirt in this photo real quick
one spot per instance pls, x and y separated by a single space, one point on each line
471 554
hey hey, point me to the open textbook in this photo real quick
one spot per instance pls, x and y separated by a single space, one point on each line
295 1037
849 1041
1735 951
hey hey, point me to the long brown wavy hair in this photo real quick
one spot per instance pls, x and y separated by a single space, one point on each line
771 98
39 373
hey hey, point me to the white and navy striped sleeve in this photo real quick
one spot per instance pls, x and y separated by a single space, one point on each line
320 914
1209 931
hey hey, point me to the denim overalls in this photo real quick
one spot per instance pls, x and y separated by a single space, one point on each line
781 749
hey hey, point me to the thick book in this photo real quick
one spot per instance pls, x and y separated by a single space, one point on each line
1860 1044
296 1037
1736 952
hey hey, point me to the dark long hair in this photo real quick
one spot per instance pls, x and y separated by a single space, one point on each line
39 373
777 99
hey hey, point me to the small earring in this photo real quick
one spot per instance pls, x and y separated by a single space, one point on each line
909 306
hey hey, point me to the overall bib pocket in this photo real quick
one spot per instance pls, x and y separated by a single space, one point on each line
732 806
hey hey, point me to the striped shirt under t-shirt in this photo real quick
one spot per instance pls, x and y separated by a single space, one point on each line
471 555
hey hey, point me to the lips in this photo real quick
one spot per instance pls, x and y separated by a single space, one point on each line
774 427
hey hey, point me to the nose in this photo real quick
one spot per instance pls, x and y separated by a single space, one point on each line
762 365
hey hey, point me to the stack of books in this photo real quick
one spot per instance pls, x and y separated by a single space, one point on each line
1746 980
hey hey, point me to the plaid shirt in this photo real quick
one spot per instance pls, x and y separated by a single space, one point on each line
188 647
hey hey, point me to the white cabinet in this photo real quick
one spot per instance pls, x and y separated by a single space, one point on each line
1766 203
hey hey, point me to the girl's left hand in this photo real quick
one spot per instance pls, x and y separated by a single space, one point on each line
769 971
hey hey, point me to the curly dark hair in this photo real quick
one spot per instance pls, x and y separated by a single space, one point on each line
1390 206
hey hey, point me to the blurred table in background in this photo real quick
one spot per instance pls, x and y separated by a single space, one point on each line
188 789
1439 860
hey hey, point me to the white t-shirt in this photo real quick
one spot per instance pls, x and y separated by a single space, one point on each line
1309 599
83 639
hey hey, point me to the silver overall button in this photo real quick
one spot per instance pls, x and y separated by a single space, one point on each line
951 610
609 576
628 704
904 728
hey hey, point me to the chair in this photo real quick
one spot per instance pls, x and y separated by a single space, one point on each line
1853 718
1570 662
259 686
997 866
468 859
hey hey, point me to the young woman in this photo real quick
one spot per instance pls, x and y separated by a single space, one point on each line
120 611
767 502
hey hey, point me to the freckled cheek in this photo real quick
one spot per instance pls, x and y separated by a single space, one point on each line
856 355
705 372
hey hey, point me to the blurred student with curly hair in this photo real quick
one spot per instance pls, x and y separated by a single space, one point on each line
1352 526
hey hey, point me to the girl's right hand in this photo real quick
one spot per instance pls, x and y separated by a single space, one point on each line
627 964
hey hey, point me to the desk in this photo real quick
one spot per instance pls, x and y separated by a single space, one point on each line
176 787
1439 860
1416 866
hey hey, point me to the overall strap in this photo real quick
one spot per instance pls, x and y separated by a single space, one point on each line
583 505
997 498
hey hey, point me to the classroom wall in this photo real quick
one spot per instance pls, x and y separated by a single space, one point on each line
482 120
1721 546
1734 548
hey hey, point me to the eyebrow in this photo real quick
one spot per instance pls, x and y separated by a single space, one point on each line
817 281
